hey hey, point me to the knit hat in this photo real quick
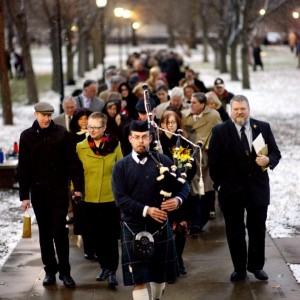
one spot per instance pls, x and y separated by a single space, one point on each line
44 108
140 106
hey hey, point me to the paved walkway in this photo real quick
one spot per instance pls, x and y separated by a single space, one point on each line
207 260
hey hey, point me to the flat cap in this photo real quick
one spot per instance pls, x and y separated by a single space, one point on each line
44 107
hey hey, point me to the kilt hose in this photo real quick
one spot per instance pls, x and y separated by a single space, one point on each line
162 267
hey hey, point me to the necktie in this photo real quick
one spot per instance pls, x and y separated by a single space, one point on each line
244 141
69 122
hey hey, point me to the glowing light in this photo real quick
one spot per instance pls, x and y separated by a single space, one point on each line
262 11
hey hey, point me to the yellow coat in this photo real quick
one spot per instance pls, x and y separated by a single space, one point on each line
97 172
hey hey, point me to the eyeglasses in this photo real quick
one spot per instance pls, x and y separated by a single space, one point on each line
171 123
94 128
138 138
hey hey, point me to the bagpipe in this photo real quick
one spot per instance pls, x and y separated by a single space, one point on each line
170 179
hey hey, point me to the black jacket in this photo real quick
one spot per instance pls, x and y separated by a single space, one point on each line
233 174
46 159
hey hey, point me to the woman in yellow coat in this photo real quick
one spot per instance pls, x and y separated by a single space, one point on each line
98 154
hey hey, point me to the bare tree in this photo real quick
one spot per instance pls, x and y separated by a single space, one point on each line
5 91
18 14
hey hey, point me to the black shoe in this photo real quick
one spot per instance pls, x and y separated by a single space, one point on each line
103 275
90 256
182 270
259 274
67 280
49 279
112 280
69 221
195 230
238 276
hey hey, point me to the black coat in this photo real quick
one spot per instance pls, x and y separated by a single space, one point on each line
233 174
45 159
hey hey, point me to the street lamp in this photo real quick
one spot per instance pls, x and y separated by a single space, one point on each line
101 5
127 15
135 26
295 15
118 11
262 11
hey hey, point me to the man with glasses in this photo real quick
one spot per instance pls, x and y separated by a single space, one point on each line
137 194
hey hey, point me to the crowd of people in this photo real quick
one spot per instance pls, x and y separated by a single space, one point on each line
146 173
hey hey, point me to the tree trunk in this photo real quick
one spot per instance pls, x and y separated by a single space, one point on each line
95 43
32 92
55 85
244 49
70 58
233 63
5 91
205 35
171 39
81 55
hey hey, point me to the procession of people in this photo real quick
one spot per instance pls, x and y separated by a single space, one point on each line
183 157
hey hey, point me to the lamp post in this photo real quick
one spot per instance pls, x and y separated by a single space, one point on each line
126 16
61 74
101 5
134 27
118 11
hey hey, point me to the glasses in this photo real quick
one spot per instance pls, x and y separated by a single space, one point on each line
171 123
139 138
94 128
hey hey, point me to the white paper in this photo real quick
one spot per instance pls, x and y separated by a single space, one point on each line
259 143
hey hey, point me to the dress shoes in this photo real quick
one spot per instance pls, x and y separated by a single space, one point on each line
67 280
49 279
238 276
112 279
103 275
182 270
259 274
90 256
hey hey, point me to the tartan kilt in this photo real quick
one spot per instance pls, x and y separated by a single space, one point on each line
162 267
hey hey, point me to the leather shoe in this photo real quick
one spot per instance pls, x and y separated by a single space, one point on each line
112 280
90 256
259 274
67 280
238 276
182 270
49 279
103 275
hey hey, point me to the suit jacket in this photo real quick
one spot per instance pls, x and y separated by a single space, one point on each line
200 130
61 120
96 103
232 172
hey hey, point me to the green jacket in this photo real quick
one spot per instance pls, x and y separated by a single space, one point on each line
97 172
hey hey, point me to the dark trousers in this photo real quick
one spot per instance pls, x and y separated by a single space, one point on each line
252 258
50 208
101 229
200 208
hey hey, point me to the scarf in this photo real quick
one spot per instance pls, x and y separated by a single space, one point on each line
108 144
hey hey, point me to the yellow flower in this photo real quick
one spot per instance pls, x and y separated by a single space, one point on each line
182 155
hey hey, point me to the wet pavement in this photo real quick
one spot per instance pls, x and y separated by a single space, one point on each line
207 260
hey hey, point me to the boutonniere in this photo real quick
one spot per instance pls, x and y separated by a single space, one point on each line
254 126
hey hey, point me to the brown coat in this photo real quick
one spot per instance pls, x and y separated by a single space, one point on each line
200 130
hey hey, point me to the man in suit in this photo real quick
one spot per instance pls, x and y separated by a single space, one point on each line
198 122
241 178
88 97
64 119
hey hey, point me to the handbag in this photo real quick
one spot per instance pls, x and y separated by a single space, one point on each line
26 225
